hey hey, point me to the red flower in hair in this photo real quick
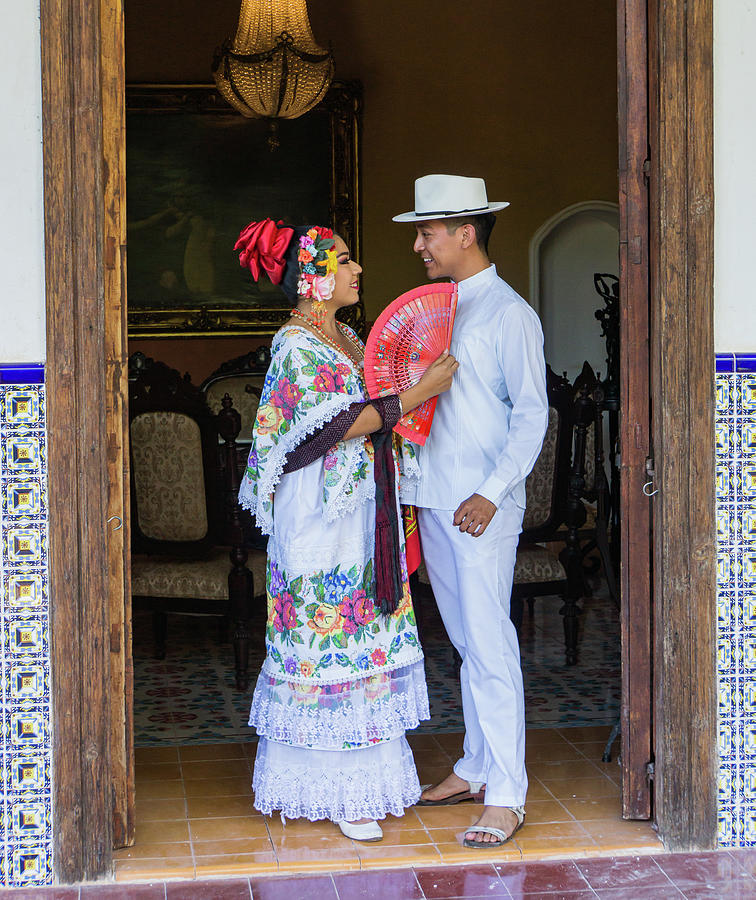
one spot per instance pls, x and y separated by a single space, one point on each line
263 245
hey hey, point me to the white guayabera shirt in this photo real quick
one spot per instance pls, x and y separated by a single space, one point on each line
488 428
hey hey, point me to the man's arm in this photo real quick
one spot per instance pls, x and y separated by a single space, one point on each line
520 355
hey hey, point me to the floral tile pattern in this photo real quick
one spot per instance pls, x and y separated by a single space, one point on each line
735 426
25 745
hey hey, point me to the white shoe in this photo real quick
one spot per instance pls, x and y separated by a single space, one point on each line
367 831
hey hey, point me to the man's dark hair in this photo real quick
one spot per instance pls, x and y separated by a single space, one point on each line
483 226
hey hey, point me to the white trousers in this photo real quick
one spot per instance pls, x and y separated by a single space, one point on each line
472 583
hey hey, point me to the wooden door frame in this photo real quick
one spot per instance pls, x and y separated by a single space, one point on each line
79 63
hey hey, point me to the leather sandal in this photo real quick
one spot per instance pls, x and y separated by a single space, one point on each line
475 792
502 836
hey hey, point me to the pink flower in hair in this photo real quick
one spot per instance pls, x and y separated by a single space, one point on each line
323 287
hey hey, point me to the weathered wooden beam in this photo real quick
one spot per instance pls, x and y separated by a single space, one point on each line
683 397
71 121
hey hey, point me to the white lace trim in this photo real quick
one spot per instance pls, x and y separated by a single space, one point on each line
340 504
348 785
317 417
371 709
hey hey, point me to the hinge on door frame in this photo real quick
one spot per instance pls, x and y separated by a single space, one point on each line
646 170
650 771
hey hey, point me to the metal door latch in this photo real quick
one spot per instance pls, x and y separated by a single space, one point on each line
118 519
651 473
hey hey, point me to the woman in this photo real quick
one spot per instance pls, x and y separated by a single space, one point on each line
343 677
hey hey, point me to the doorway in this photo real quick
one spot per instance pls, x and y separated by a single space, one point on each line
77 327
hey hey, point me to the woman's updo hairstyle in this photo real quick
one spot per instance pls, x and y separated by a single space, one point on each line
299 259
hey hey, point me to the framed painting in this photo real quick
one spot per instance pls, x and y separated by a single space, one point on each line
196 173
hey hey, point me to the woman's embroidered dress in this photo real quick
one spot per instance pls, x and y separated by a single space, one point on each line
341 683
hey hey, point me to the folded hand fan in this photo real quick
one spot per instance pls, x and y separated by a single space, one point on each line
407 337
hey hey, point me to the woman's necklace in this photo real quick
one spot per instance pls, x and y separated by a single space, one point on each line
329 340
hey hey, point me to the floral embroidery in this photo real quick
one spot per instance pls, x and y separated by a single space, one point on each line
332 619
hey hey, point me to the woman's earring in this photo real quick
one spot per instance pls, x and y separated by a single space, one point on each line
318 311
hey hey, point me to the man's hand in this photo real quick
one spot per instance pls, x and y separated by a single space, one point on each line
474 514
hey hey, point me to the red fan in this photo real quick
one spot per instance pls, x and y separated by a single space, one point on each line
406 338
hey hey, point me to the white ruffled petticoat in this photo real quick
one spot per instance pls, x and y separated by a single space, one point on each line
338 751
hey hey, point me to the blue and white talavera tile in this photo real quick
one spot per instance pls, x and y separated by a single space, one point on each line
736 596
25 744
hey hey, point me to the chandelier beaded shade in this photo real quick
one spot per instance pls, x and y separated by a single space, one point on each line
273 67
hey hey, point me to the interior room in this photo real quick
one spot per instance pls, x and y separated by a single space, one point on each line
524 95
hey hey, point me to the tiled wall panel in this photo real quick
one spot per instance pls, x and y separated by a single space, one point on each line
25 745
736 596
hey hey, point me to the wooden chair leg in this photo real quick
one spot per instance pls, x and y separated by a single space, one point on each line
241 654
570 611
160 632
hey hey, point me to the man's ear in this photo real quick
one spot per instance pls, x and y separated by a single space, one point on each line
467 236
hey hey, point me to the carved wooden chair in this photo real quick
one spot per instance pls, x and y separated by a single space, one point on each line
188 552
541 568
242 379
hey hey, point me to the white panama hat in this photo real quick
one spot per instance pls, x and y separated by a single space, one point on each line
449 196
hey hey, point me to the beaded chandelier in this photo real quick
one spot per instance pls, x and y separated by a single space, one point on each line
273 67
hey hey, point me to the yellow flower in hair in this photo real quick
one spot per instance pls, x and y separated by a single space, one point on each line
332 262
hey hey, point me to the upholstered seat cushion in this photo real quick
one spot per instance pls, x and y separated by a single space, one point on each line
535 563
207 578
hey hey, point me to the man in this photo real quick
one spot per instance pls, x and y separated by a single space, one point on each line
486 435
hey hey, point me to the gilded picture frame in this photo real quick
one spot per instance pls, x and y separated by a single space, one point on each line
196 173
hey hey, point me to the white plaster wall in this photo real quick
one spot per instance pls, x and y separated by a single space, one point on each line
22 295
735 176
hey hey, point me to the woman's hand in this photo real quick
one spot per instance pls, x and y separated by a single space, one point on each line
437 378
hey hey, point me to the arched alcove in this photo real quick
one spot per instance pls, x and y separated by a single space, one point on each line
565 253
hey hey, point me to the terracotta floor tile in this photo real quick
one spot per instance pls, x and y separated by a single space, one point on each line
149 810
718 892
405 837
237 786
322 860
158 790
227 889
106 892
157 772
236 864
537 790
540 811
583 788
423 741
619 830
451 742
456 853
558 770
535 736
300 828
432 756
639 872
221 768
550 753
579 734
658 892
685 869
541 878
154 850
549 830
209 807
232 846
474 880
459 816
205 752
233 827
313 887
153 869
388 886
595 808
373 856
746 859
162 832
146 755
594 750
250 749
